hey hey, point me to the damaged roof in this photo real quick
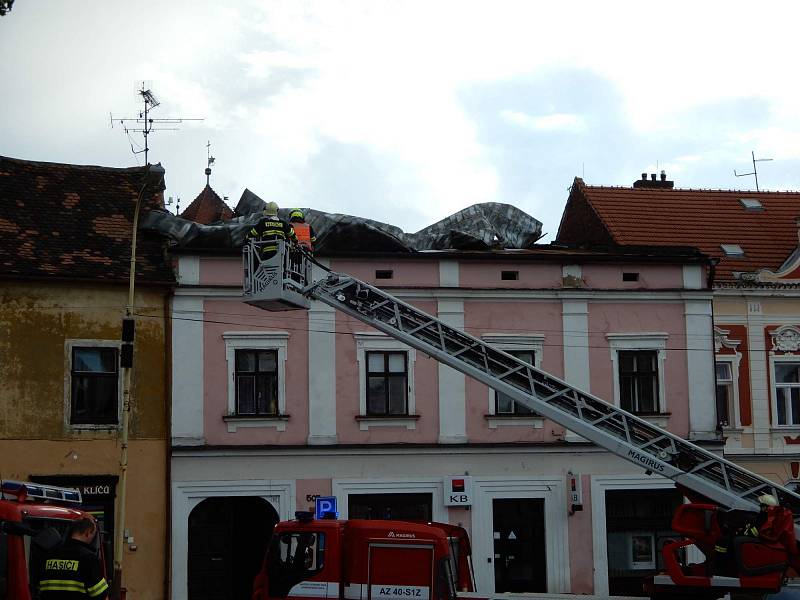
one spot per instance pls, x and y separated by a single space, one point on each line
763 224
63 221
487 226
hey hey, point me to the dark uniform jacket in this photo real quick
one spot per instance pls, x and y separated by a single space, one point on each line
270 230
72 572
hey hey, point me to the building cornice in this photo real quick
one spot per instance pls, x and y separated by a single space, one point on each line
558 447
507 294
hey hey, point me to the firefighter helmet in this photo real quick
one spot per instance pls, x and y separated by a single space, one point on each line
767 500
271 209
296 214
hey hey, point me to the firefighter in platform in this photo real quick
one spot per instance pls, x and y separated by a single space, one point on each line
270 230
303 231
73 570
748 525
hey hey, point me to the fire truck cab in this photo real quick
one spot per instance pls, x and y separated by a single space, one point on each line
364 559
33 521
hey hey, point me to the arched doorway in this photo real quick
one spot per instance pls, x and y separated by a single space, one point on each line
227 541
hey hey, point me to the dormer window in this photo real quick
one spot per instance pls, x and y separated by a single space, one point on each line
751 204
732 250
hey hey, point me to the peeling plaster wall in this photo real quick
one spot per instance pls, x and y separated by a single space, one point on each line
37 320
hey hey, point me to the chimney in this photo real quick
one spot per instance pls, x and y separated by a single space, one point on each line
655 182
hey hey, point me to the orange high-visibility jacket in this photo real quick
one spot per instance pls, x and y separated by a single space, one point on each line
305 235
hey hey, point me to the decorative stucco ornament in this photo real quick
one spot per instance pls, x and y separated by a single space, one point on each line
786 339
721 340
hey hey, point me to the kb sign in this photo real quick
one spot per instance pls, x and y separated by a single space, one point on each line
325 505
458 491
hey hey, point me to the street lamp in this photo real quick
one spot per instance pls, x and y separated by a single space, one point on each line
153 174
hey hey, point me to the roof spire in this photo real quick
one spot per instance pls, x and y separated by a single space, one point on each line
210 161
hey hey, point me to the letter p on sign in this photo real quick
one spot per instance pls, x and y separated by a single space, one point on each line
326 505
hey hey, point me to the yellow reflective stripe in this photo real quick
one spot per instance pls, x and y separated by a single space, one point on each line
64 585
720 549
97 589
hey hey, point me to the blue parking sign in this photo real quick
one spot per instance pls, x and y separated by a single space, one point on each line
325 505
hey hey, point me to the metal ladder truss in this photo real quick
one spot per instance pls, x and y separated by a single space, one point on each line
608 426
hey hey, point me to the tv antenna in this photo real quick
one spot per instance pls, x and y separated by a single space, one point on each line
755 170
144 123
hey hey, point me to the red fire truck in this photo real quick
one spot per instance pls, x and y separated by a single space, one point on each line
359 559
33 520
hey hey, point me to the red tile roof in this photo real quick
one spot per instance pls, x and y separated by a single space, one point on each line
207 208
704 219
74 222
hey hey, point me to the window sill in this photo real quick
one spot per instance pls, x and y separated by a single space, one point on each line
236 421
367 421
732 430
533 421
657 419
94 427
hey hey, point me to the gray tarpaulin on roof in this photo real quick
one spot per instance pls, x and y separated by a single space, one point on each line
479 227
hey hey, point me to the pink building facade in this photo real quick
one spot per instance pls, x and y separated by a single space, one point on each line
271 410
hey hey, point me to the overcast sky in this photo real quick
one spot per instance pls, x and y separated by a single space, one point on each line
408 111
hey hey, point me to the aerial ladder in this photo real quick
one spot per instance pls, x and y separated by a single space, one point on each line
287 280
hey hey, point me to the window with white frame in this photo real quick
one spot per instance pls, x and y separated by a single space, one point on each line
638 381
727 378
256 382
725 393
256 364
504 404
385 377
526 347
94 385
387 383
638 371
787 392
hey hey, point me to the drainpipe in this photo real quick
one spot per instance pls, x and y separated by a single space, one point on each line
168 422
156 173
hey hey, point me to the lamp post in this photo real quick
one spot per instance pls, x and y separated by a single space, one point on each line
152 173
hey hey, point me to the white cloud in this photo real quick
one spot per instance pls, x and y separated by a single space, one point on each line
552 122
